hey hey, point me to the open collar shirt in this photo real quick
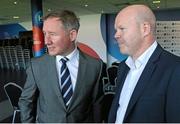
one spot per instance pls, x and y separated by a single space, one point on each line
136 69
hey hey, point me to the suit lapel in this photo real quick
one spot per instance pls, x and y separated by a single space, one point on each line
123 70
79 82
122 73
144 79
53 78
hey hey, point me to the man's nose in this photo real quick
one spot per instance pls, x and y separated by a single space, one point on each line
47 39
117 35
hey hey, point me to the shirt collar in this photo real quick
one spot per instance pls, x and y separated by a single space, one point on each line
141 60
70 56
133 64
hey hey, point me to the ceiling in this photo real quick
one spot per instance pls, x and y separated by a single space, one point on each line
22 8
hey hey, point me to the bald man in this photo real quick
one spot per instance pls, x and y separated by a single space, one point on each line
148 81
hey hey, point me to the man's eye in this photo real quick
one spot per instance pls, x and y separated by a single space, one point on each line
122 29
52 34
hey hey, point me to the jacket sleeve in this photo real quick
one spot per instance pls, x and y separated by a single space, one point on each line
28 100
173 97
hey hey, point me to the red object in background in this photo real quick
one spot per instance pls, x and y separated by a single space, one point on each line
38 38
87 50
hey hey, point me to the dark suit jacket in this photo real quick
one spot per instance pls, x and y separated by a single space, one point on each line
156 97
41 99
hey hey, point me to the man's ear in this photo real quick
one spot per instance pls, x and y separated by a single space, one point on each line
146 29
73 35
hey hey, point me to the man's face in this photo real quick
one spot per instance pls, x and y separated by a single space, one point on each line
128 33
57 39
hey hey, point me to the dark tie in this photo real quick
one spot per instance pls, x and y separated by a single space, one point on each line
66 84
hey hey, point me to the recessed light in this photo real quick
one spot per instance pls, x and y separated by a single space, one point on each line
49 10
156 1
15 2
15 17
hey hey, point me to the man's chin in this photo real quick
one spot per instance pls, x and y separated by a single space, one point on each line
52 54
123 51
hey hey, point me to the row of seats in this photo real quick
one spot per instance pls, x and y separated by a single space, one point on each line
14 57
24 42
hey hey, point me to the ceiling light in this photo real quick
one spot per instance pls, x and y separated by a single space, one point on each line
49 10
15 17
86 5
156 1
15 2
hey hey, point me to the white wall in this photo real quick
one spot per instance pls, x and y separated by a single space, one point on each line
90 34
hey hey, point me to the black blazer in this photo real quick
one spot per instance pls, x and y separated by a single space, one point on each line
41 99
156 97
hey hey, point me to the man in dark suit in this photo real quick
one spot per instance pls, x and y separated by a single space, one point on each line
148 81
63 86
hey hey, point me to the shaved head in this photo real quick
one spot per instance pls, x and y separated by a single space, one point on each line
140 13
135 27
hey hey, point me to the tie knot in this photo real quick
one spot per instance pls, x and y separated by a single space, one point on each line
64 60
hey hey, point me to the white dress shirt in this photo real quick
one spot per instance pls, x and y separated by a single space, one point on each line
72 64
136 69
